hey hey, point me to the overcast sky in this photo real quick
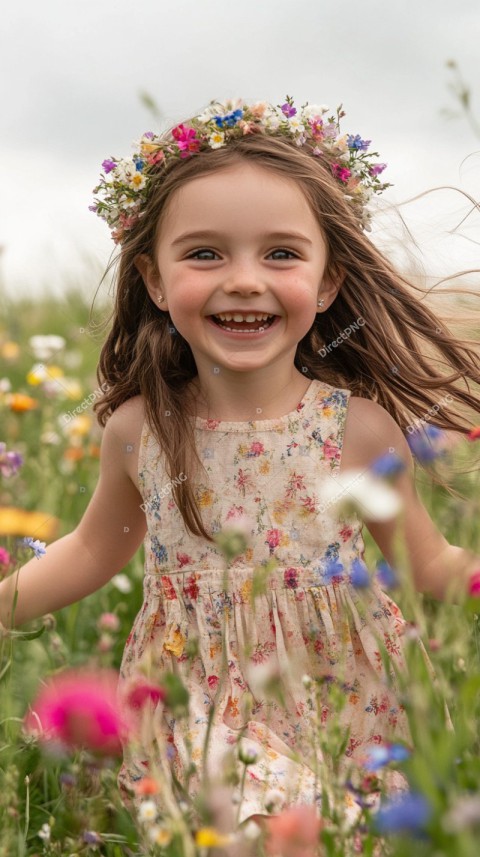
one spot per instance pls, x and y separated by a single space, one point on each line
72 72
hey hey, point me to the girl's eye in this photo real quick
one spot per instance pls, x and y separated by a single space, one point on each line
285 254
206 255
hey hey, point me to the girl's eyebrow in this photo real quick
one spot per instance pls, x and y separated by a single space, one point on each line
209 234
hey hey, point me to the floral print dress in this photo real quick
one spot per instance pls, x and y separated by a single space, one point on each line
305 621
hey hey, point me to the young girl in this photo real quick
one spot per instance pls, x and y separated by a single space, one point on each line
261 347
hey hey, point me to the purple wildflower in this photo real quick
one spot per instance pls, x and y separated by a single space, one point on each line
388 464
407 814
360 577
108 165
37 546
10 462
356 142
90 837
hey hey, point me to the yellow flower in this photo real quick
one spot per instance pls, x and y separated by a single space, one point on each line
40 373
10 350
19 522
159 835
176 643
208 837
79 426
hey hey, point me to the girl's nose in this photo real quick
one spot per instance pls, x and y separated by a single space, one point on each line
245 279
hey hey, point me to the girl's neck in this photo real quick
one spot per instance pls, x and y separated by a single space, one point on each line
271 399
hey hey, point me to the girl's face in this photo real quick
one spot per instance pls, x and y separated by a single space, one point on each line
241 241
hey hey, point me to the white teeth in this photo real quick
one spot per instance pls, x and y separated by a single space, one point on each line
240 317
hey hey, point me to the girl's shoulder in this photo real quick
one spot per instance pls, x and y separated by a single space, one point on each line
127 423
370 431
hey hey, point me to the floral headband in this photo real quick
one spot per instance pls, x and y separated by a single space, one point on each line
124 184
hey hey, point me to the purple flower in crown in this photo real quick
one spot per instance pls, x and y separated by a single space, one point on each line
288 110
354 141
108 165
376 169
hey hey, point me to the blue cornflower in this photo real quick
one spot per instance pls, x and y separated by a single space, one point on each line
386 575
378 757
407 814
426 443
139 165
360 576
356 142
388 464
37 547
229 119
333 569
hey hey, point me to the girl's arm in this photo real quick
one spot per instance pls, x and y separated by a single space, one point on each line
436 565
106 538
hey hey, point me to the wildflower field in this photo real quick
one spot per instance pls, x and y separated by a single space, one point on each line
59 794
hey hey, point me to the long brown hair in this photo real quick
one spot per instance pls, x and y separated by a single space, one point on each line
402 354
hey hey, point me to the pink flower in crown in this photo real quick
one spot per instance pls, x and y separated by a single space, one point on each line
79 709
187 140
155 157
341 173
316 128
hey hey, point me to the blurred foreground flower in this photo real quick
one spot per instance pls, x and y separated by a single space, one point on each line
9 350
6 562
358 490
40 373
474 434
428 443
293 833
234 537
19 522
78 709
10 462
379 756
409 813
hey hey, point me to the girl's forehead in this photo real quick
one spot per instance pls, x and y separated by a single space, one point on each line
235 192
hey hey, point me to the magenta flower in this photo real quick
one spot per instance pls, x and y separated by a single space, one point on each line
142 693
474 584
187 140
6 561
108 165
78 709
288 109
376 169
341 173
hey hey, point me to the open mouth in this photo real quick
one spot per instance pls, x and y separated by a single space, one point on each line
244 326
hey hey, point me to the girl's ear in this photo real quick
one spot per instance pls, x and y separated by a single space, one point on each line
150 276
331 284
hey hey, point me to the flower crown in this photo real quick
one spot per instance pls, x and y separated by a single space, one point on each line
124 184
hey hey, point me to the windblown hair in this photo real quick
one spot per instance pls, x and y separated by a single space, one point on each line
402 356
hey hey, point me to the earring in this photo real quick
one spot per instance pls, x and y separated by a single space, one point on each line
161 299
320 302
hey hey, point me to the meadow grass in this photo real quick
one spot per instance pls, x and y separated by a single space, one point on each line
52 804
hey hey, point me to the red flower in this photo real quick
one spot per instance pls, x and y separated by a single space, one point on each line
143 692
79 708
474 434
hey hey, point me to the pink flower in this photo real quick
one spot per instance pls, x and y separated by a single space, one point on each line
143 692
78 708
341 173
474 584
294 833
108 622
6 561
187 140
474 434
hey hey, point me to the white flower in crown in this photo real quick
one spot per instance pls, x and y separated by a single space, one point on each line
217 140
311 111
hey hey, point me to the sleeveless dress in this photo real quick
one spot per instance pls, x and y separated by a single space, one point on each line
303 623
